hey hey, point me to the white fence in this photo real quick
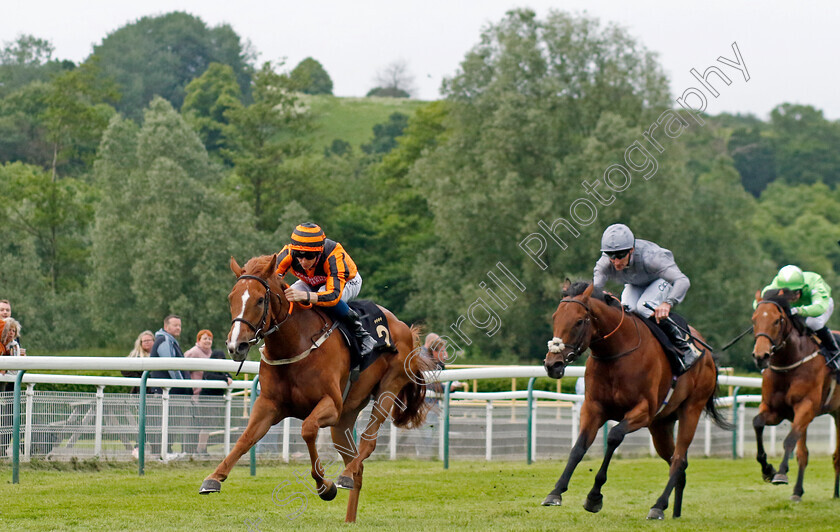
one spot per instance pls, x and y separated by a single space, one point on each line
491 426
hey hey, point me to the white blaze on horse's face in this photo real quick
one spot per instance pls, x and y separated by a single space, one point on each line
233 339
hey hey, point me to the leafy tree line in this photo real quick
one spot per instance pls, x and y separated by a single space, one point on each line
113 216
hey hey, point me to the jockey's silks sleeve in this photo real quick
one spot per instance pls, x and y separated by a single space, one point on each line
332 271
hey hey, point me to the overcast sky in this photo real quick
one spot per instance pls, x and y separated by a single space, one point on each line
790 50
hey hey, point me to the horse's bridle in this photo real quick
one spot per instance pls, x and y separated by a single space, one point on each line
577 347
258 331
773 346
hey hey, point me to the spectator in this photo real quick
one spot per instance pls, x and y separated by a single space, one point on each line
142 349
5 309
166 346
216 410
201 349
9 332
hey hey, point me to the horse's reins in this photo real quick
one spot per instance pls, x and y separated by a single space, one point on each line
259 334
577 348
773 346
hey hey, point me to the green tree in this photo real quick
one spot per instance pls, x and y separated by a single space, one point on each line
161 55
22 129
807 145
208 98
25 60
754 158
171 232
309 77
264 135
385 135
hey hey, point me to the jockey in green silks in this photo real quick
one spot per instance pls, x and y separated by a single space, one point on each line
813 301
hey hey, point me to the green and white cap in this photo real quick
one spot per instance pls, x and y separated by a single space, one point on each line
791 278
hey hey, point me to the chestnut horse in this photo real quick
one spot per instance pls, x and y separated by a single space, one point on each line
310 382
798 386
629 380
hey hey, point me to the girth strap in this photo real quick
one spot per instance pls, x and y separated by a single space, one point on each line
667 397
315 345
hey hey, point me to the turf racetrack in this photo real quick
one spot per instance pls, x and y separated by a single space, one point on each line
721 494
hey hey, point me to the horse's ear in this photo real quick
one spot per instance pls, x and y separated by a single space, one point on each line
234 267
588 291
758 295
567 284
272 266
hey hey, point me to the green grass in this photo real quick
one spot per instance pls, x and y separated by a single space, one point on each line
410 495
352 119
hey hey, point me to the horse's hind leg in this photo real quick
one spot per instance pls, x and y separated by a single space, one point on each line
367 440
591 417
263 416
634 420
759 422
342 435
836 456
689 417
802 460
325 413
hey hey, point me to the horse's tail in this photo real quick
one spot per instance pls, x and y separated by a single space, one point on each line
413 394
711 409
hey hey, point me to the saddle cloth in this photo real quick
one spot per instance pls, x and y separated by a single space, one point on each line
671 351
375 323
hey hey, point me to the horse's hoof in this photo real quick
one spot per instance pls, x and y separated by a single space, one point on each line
329 494
593 506
210 486
796 498
553 500
779 478
656 513
345 483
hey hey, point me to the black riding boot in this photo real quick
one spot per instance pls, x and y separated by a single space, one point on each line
366 341
679 339
827 338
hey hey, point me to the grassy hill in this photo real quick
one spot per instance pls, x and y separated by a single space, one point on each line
352 119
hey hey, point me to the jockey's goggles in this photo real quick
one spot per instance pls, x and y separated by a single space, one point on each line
308 255
617 255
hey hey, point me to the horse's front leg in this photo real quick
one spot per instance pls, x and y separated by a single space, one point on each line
264 414
634 420
803 414
762 419
324 414
591 417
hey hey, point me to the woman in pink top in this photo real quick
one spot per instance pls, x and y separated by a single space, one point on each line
202 349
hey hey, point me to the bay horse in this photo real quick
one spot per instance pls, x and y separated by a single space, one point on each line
629 380
796 385
309 384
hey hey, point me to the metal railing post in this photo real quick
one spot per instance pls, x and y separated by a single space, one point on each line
530 444
253 453
97 431
141 432
228 401
735 422
16 429
30 410
446 388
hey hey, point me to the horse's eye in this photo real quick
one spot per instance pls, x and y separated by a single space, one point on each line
260 301
580 321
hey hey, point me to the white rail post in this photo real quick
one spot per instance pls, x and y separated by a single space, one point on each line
488 451
97 431
707 438
228 403
832 434
576 420
651 447
393 441
27 435
287 427
164 426
534 431
773 440
742 409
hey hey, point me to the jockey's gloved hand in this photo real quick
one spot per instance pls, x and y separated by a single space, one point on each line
794 311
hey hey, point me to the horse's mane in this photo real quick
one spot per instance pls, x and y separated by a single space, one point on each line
578 288
781 298
259 266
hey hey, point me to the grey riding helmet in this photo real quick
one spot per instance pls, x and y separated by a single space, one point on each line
617 237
